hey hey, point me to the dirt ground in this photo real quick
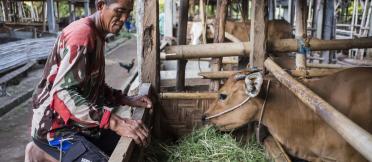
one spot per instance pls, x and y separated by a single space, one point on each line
15 125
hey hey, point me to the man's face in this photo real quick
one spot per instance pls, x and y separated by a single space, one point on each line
114 15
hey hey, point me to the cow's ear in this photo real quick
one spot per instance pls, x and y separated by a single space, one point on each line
253 83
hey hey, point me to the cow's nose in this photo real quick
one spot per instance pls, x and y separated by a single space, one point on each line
204 118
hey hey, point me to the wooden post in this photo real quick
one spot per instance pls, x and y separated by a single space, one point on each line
328 28
148 43
44 16
290 12
258 33
3 11
244 10
301 31
319 18
203 22
369 51
71 10
52 26
356 136
271 9
168 18
219 37
244 60
182 36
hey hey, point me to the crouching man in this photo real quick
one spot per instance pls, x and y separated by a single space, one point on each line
72 105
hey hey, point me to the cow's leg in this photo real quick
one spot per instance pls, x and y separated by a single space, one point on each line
34 154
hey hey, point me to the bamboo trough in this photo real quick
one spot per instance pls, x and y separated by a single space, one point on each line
244 48
356 136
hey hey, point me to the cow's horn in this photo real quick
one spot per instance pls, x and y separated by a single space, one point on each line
253 83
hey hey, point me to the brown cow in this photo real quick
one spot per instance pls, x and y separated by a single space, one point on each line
302 132
276 29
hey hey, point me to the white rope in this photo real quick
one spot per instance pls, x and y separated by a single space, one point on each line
228 110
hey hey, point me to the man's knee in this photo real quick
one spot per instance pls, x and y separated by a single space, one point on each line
34 154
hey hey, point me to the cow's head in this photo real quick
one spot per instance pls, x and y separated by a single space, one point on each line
236 104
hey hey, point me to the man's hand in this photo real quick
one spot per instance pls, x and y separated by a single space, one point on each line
134 129
137 101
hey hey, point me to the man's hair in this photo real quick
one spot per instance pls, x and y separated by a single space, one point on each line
107 2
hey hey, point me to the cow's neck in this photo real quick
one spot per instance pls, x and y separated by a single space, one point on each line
279 108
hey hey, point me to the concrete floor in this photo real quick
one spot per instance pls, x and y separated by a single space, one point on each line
15 125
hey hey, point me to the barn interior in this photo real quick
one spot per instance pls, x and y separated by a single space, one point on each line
185 50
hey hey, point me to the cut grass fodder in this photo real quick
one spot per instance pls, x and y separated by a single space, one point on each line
207 144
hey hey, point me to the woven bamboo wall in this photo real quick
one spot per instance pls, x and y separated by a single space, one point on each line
184 115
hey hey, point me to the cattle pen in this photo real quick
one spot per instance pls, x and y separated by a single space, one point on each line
183 96
188 49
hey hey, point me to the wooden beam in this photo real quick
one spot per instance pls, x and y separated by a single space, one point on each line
258 33
188 96
182 36
356 136
278 46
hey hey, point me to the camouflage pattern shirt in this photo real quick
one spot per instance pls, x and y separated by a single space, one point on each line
72 94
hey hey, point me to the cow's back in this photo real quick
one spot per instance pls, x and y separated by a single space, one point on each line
304 133
277 29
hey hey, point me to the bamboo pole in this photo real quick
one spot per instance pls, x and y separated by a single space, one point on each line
356 136
278 46
181 40
300 31
297 73
188 96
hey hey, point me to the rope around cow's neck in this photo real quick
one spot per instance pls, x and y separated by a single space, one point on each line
228 110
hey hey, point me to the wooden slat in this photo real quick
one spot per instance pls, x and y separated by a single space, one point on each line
17 72
125 146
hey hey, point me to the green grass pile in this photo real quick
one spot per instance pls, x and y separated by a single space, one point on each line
207 144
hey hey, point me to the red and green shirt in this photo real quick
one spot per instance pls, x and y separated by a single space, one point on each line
72 94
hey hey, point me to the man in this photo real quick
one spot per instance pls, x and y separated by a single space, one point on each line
72 105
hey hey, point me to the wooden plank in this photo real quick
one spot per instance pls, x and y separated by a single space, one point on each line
258 34
181 37
125 146
17 72
356 136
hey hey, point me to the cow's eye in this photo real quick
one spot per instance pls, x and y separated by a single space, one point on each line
222 96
